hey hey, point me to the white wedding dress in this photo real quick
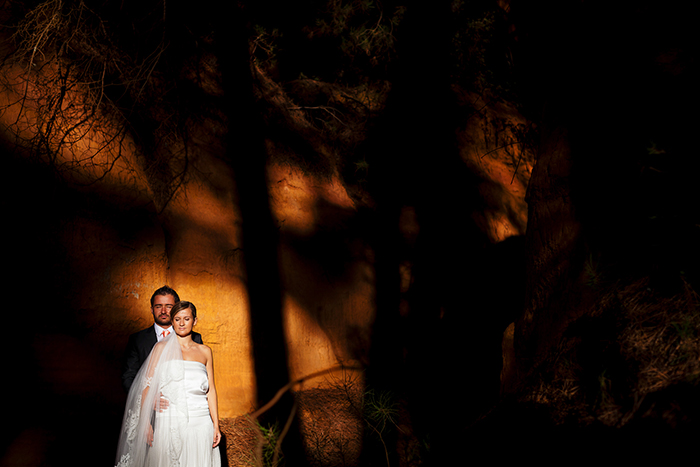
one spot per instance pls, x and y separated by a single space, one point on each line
198 433
183 433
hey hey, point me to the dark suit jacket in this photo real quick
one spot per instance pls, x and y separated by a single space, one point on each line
137 350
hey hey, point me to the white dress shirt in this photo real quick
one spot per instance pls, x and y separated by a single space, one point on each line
159 332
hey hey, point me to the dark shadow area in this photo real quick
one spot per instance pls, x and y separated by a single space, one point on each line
248 158
59 405
437 345
624 90
618 82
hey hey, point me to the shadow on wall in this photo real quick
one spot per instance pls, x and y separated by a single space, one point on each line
66 360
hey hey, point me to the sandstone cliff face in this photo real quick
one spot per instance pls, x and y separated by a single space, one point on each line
115 252
109 218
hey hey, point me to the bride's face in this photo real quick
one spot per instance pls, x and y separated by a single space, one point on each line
183 322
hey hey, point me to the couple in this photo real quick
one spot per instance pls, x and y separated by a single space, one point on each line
171 417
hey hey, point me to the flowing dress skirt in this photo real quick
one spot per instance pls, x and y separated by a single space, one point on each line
198 435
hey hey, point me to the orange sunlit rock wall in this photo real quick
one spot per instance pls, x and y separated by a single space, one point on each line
121 234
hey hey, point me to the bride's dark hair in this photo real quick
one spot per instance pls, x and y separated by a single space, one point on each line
183 305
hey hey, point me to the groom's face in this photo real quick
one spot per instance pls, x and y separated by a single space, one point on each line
162 304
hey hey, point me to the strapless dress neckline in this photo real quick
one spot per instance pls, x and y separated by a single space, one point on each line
194 361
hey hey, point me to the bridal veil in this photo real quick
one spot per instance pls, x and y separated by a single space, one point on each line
163 373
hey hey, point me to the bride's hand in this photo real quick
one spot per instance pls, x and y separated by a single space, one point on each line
149 435
161 404
217 437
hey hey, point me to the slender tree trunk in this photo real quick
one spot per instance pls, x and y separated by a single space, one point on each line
259 237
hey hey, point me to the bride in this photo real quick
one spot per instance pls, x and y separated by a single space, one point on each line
171 417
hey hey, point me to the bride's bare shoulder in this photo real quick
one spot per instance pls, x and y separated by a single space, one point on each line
206 350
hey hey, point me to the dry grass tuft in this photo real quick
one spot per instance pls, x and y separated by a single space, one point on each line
331 425
617 365
240 434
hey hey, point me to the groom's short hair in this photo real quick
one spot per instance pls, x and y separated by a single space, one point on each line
165 290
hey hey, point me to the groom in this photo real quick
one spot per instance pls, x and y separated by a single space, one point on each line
141 343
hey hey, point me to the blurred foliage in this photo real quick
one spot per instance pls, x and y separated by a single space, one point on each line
380 409
271 456
482 59
330 41
351 42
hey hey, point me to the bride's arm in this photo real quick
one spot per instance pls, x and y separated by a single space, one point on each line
153 361
152 364
211 396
